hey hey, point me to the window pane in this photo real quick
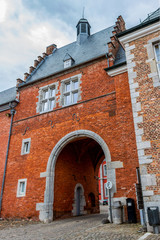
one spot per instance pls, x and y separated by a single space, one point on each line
52 92
83 28
22 186
67 87
75 97
44 106
67 99
67 63
157 50
26 147
75 85
51 104
45 94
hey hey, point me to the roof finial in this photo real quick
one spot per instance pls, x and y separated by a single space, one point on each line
83 12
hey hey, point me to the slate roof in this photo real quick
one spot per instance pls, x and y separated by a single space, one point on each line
93 47
8 96
153 15
152 18
120 56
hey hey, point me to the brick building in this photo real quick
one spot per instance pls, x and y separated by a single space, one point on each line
8 101
75 111
142 47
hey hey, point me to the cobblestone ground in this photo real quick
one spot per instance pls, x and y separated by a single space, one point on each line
77 228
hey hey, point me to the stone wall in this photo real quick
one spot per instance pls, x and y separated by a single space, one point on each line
144 88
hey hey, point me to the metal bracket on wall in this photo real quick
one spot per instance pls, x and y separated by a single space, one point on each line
76 117
51 123
27 128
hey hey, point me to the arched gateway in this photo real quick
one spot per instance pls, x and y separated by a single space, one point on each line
46 208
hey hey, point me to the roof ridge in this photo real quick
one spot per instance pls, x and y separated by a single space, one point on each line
150 15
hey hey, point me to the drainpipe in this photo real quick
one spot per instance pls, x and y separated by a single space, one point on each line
107 56
4 174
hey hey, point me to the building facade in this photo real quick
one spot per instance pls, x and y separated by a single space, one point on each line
81 104
142 47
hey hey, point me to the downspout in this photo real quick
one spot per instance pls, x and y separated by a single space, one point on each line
107 56
4 173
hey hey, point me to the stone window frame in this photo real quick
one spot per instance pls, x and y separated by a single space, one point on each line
152 61
26 143
48 99
65 93
19 192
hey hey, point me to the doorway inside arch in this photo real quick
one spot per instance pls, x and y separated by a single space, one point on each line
78 200
76 190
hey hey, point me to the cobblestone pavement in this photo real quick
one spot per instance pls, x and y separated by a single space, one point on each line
77 228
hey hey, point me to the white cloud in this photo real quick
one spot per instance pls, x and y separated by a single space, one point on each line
3 7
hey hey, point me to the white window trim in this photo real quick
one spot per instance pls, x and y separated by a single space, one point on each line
41 100
23 146
19 194
63 93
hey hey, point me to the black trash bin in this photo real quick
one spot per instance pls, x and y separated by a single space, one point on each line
131 210
153 216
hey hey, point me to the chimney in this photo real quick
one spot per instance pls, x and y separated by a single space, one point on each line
49 49
120 25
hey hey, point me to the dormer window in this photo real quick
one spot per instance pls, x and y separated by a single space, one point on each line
68 61
83 30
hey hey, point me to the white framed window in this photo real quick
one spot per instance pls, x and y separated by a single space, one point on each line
105 170
67 63
71 90
157 55
47 98
26 144
21 188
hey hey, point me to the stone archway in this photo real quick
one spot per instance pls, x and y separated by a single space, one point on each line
46 208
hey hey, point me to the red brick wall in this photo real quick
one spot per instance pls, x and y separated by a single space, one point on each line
69 171
4 133
109 116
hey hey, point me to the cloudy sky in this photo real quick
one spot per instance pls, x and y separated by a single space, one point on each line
28 26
